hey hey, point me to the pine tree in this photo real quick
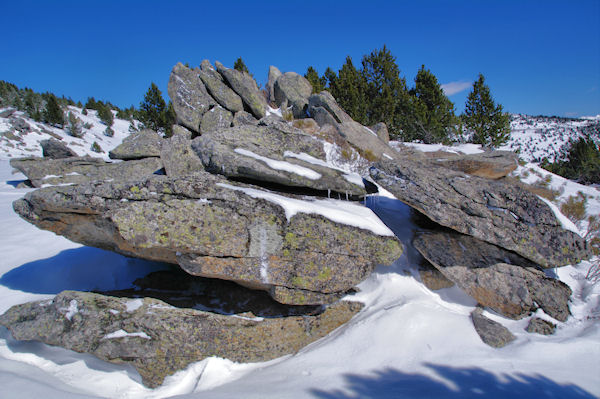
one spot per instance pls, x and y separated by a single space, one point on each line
53 113
318 83
490 125
349 89
387 99
434 119
75 126
105 114
152 110
240 66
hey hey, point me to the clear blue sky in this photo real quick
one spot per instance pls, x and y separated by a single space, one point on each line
538 57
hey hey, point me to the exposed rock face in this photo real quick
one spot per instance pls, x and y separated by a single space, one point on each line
76 170
55 149
246 88
274 73
365 140
491 210
217 118
498 279
181 131
243 118
326 101
293 89
218 89
491 165
270 154
433 278
215 230
540 326
382 132
492 333
158 339
189 96
178 157
143 144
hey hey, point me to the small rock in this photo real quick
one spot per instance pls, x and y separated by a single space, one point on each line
143 144
540 326
294 89
274 73
492 333
54 149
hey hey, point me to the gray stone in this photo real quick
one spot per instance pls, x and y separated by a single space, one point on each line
496 278
143 144
7 112
213 229
246 88
178 157
382 131
491 210
251 151
159 339
322 116
294 90
55 149
491 333
274 73
244 118
365 141
77 170
218 89
433 278
20 124
540 326
491 164
217 118
325 100
189 96
181 131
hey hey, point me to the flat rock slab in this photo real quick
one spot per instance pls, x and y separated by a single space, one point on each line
214 229
496 278
159 339
491 210
491 332
143 144
75 170
491 165
278 153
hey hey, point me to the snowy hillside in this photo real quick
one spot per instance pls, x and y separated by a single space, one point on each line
536 137
407 342
20 136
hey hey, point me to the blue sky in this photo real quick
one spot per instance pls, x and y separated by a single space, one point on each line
538 57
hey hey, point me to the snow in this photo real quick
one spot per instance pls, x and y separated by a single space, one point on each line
352 177
456 149
123 334
336 210
565 222
281 165
134 304
72 310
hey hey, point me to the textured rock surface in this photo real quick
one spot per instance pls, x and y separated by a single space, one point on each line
218 89
433 278
143 144
365 140
217 118
177 156
540 326
55 149
382 132
274 73
246 88
244 118
82 169
181 131
492 333
491 210
326 101
158 339
189 96
491 165
263 153
212 230
294 90
498 279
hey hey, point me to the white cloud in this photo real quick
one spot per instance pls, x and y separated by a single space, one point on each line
455 87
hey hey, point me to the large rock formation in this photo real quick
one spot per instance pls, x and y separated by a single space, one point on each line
55 149
218 89
246 88
293 90
491 210
215 229
143 144
159 339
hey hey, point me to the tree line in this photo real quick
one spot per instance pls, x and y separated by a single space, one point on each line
376 92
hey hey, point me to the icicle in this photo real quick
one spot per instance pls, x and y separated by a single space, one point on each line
328 193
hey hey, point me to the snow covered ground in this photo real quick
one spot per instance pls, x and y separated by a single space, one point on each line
408 341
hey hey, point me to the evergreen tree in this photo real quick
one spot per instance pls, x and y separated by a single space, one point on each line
75 126
490 125
580 161
91 103
318 83
105 113
349 89
387 99
330 77
152 110
240 66
434 118
53 113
